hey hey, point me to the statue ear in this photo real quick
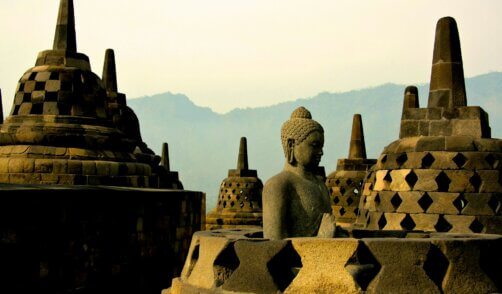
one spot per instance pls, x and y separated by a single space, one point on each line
290 151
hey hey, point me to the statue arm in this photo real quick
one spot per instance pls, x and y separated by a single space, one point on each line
275 205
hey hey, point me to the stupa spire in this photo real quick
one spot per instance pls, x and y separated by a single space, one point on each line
411 98
65 37
242 161
1 108
110 71
447 87
165 157
357 146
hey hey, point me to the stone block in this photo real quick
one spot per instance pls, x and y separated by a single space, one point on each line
399 182
4 178
381 182
53 86
88 167
491 224
434 113
409 128
424 128
479 203
16 165
467 127
51 108
425 222
131 168
320 260
29 165
414 114
442 203
440 128
75 167
42 76
38 97
394 220
102 168
460 223
410 202
4 165
460 143
114 168
465 274
258 264
49 179
430 144
426 179
60 166
373 222
385 201
406 145
43 165
206 272
460 180
409 269
490 181
487 145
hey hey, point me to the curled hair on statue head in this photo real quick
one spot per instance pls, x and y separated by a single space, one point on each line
298 128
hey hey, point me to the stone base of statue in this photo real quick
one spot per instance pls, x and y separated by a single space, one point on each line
241 261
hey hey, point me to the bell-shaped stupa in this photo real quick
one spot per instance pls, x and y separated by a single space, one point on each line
239 202
345 183
59 130
444 173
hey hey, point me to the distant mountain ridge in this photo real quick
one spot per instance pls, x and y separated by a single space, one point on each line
204 144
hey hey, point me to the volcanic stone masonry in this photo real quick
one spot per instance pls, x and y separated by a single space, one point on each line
226 261
346 182
75 216
68 127
444 172
239 201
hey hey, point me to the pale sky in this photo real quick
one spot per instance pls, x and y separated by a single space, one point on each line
245 53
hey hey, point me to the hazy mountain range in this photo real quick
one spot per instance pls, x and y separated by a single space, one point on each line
204 144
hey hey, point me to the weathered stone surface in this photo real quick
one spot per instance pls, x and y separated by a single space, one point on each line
320 259
405 276
295 200
365 262
254 273
449 153
240 197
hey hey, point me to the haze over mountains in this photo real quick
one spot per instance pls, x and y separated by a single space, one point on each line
204 144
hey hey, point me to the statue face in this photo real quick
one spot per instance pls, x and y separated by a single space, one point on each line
309 152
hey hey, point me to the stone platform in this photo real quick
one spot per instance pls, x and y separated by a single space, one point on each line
94 239
240 261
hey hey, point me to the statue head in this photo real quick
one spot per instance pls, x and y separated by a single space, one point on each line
302 139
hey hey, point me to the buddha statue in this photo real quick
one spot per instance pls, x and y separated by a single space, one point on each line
296 200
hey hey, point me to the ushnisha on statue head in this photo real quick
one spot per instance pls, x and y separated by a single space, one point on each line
296 200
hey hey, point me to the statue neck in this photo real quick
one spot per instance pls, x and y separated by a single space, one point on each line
299 170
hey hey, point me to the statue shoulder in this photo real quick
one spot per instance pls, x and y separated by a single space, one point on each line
278 184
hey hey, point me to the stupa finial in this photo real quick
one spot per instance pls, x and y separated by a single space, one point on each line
165 157
110 71
65 37
411 98
242 161
357 146
447 87
1 108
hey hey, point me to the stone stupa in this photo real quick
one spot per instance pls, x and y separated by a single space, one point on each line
239 201
60 130
444 172
345 183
